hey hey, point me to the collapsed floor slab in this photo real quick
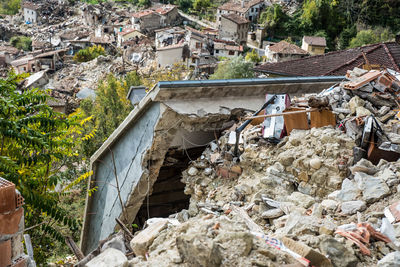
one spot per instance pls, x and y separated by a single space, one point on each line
174 114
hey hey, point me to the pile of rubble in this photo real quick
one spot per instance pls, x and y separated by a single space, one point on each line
74 77
313 199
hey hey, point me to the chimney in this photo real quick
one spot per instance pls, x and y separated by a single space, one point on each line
242 3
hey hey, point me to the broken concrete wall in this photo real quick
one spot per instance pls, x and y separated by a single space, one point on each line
143 139
128 157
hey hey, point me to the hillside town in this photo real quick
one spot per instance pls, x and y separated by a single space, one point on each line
227 133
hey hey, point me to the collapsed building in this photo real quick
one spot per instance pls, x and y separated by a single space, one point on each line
309 179
144 154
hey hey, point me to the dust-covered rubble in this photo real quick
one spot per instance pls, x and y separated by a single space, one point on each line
310 199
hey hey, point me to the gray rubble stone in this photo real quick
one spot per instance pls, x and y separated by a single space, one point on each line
192 171
364 166
110 257
329 204
315 163
372 188
340 255
117 243
349 191
351 207
301 199
272 214
390 260
198 250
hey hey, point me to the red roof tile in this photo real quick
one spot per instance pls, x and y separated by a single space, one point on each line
237 6
236 18
143 13
165 9
337 63
284 47
315 40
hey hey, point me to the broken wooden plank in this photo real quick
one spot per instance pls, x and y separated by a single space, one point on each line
280 114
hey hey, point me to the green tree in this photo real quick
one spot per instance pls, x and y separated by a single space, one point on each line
109 109
235 68
346 35
21 42
144 3
253 56
89 53
10 7
275 20
36 143
201 6
370 36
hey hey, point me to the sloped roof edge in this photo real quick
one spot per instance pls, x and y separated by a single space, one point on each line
170 90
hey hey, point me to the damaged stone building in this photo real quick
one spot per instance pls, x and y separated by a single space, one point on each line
137 171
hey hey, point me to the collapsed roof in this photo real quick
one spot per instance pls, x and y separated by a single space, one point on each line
173 114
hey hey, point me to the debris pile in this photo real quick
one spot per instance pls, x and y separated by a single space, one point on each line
317 190
74 77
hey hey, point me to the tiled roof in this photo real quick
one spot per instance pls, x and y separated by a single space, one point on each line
237 5
284 47
222 46
9 49
165 9
30 5
236 18
178 45
197 32
127 31
337 63
143 13
314 40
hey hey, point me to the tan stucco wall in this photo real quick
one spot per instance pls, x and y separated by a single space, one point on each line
169 57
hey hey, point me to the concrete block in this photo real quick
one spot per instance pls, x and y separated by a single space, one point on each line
141 242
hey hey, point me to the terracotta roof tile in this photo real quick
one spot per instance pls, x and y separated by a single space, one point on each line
337 63
30 5
9 49
284 47
223 46
237 6
315 40
236 18
165 9
143 13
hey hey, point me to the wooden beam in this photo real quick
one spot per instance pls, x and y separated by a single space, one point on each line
281 114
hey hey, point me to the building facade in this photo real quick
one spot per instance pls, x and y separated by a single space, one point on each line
234 28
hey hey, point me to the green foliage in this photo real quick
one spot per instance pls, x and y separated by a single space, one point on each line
235 68
10 7
185 5
253 57
35 143
108 110
275 20
336 20
345 37
366 37
21 42
89 53
201 5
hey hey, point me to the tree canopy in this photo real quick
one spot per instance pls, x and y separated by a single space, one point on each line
235 68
